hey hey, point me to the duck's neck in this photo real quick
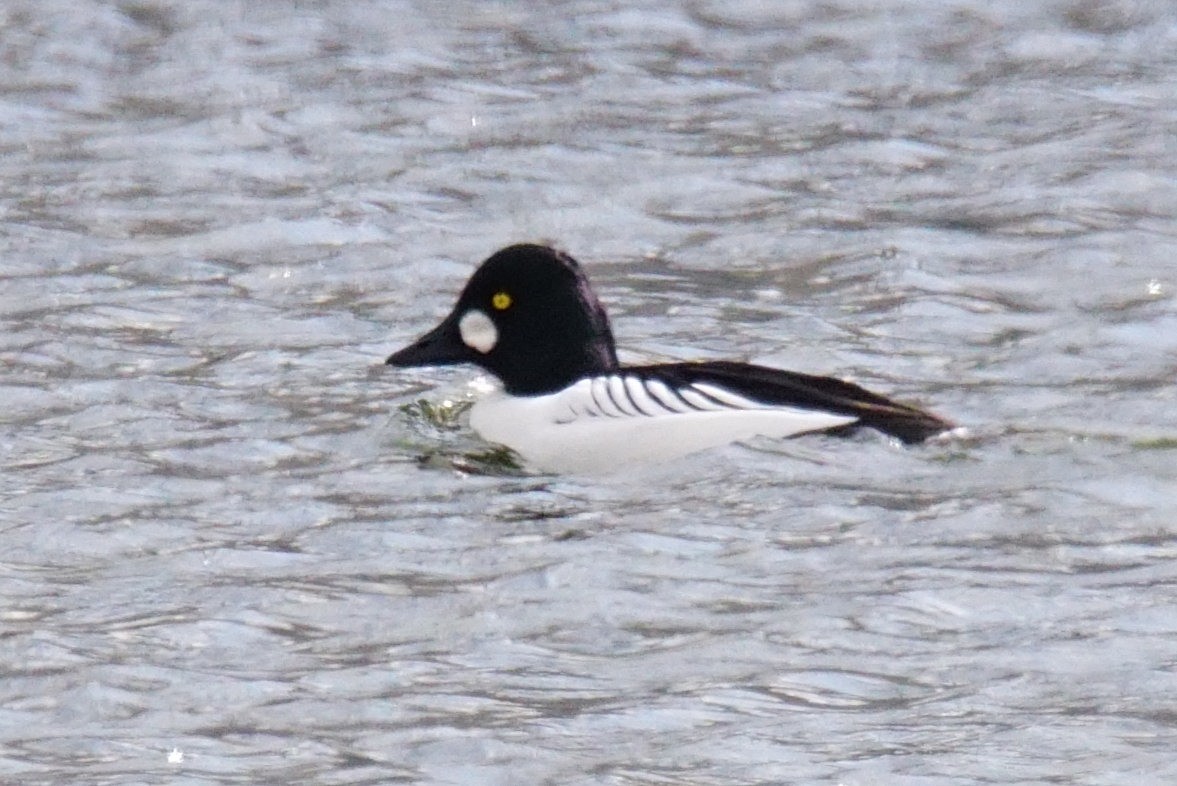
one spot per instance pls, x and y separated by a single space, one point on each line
549 372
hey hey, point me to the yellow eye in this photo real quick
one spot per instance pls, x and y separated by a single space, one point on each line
501 301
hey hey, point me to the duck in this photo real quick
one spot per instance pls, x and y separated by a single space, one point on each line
529 317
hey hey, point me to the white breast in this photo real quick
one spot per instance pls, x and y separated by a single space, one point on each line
608 422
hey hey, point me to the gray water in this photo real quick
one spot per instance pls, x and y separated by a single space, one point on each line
229 554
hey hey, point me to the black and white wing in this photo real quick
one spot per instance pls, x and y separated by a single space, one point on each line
651 413
724 383
638 393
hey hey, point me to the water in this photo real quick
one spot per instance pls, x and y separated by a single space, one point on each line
228 556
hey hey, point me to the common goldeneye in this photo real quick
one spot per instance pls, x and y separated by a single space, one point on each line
530 318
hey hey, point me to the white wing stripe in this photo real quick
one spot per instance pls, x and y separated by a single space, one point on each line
620 396
726 397
641 399
699 401
667 398
629 396
603 398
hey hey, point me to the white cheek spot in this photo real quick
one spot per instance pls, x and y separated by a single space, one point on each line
478 331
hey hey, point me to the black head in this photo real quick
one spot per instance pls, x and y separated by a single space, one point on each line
528 316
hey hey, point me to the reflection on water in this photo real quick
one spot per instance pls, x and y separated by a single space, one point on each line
231 555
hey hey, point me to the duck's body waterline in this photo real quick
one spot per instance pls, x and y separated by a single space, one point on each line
580 429
530 318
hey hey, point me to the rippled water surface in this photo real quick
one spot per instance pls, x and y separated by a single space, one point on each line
230 554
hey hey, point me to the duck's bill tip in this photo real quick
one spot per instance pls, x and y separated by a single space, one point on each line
413 355
396 359
436 348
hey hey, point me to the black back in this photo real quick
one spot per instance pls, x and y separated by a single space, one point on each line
805 391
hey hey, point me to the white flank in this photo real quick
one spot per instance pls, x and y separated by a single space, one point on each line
478 331
610 422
